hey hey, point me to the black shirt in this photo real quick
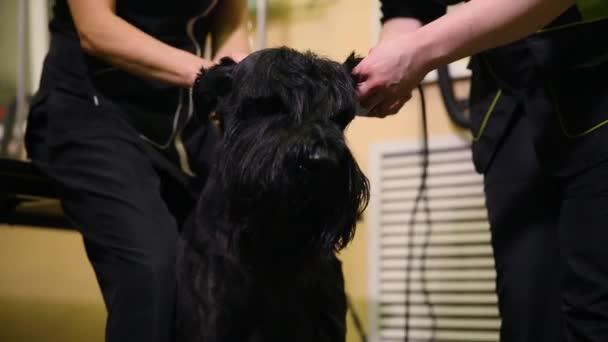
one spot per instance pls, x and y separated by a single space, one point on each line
429 10
423 10
179 23
162 19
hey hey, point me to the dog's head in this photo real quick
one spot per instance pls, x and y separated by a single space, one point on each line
283 165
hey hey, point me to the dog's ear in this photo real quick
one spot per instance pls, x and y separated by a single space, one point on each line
211 85
351 62
346 116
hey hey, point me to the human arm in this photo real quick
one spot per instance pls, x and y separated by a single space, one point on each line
107 36
397 26
400 17
397 65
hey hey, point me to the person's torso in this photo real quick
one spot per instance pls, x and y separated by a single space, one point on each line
556 77
183 24
165 20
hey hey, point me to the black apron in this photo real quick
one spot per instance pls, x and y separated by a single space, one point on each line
556 77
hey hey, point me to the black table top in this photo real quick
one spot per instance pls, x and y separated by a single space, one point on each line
28 197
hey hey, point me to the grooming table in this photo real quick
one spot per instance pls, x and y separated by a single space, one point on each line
27 197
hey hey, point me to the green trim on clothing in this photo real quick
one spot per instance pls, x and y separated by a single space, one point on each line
557 28
563 125
592 9
580 134
486 118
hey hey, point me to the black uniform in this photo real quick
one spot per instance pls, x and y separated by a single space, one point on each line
538 107
115 145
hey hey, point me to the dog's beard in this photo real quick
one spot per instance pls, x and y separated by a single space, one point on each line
291 187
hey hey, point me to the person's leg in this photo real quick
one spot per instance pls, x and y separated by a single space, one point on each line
583 236
129 234
523 210
113 194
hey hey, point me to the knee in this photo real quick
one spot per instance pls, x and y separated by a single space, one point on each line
159 267
149 272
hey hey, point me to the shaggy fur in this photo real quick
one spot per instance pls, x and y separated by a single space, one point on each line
257 261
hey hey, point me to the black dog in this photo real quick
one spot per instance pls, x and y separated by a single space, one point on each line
257 260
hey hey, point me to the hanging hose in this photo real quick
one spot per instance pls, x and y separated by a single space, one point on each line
456 108
421 195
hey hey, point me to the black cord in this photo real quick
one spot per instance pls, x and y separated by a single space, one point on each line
356 320
424 162
456 109
428 221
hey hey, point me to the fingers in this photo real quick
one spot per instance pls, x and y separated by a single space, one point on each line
389 107
370 102
366 90
376 91
373 100
381 100
359 69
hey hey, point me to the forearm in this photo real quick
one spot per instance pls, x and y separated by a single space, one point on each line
480 24
105 35
397 26
138 53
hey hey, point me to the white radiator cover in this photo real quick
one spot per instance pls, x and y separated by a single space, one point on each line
451 288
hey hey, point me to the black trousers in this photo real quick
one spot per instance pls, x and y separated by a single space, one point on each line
550 241
123 201
523 209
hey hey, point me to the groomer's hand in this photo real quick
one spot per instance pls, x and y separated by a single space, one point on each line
389 74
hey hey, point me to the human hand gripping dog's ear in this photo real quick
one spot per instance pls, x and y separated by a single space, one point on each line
212 84
399 62
389 74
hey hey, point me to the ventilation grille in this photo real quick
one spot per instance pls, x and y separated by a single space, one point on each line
443 260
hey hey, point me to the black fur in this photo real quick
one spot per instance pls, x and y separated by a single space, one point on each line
257 261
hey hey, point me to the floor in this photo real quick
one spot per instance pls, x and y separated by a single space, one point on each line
48 291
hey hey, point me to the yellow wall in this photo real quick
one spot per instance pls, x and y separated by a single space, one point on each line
47 289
